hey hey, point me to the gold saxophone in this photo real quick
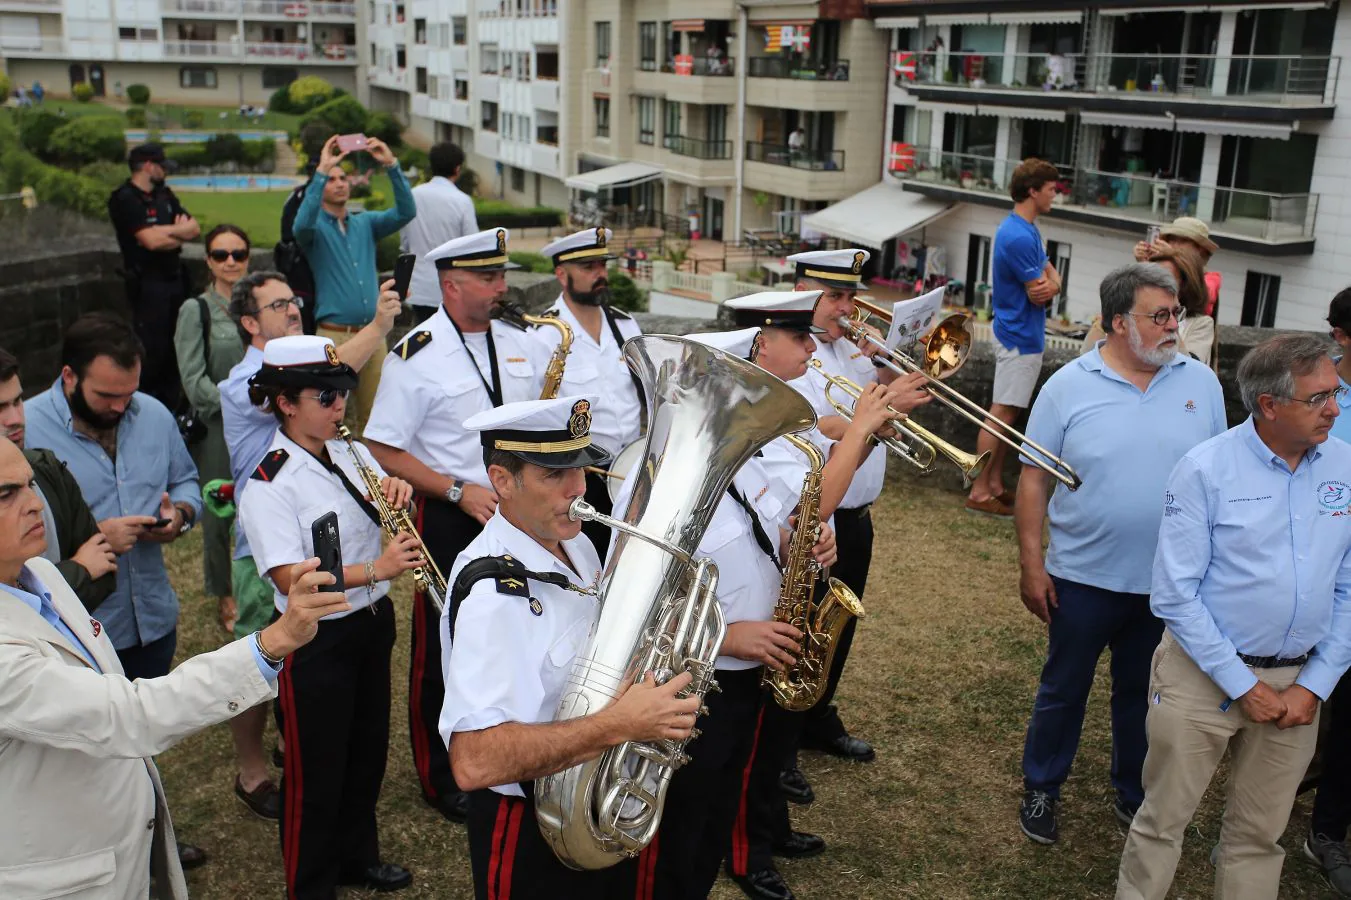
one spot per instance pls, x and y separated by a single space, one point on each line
801 685
428 578
553 375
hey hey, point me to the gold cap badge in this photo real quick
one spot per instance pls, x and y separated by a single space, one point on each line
579 423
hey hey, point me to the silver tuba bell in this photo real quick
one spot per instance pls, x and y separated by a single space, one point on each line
709 412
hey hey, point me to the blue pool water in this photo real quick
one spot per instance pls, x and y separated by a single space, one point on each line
231 182
198 137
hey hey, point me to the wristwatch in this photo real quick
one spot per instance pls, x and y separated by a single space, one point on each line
455 491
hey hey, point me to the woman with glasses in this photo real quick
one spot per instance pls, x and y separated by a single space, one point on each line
334 695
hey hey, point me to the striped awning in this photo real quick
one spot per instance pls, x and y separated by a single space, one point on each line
1127 120
1214 7
885 22
687 25
961 109
1280 132
1023 112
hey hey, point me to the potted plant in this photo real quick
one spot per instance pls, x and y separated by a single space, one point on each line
967 178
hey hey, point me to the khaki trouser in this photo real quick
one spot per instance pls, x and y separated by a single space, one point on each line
369 380
1188 735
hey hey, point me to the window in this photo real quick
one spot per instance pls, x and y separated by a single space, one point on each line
274 77
461 89
602 117
647 46
546 65
671 116
517 179
647 120
420 76
715 122
522 66
138 34
603 45
1259 299
419 31
197 77
489 115
401 56
1058 252
507 126
459 30
487 58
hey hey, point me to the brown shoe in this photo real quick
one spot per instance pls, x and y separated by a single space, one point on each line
263 801
1007 497
993 507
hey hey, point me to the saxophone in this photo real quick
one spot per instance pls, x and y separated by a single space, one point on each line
428 578
801 685
553 375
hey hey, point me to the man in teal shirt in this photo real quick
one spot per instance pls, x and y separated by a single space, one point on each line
340 247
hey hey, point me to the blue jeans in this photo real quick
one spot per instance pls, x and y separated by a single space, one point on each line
1086 621
152 660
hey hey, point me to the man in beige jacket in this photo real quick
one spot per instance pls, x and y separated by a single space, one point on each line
84 810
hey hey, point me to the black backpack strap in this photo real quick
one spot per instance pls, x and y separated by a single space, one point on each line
206 332
512 578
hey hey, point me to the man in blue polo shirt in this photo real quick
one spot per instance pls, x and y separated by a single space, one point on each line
1122 415
1024 282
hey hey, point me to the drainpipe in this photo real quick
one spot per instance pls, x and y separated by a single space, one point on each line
739 150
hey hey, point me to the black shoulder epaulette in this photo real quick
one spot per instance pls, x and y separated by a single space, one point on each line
271 465
510 576
413 343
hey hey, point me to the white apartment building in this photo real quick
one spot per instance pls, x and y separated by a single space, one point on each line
1228 111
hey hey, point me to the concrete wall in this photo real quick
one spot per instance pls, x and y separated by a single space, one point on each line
235 84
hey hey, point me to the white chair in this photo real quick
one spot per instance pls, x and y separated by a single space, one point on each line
1160 198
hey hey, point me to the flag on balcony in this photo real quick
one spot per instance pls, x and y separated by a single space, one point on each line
903 64
796 37
902 157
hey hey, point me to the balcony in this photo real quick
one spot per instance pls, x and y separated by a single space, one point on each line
301 52
798 69
31 5
208 8
296 9
800 158
25 47
696 148
690 79
201 49
1252 221
721 67
544 159
1124 82
544 95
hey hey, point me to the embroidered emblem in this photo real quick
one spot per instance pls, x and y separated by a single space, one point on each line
600 236
1190 406
332 353
858 262
506 584
536 607
97 626
501 240
579 423
1334 495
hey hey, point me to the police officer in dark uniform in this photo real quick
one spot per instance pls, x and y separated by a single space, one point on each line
151 228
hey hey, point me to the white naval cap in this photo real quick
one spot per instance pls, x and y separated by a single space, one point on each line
555 434
837 268
484 251
777 309
304 360
582 246
737 343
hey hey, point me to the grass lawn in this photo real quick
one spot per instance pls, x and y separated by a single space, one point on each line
941 681
257 212
172 115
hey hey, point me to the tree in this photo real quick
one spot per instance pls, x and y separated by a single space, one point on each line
304 94
89 139
345 114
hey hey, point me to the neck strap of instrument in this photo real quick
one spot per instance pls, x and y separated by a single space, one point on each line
494 388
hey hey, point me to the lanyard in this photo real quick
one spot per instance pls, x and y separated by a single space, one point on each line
637 384
367 506
495 388
756 528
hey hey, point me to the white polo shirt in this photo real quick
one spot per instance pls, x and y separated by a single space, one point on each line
842 358
444 212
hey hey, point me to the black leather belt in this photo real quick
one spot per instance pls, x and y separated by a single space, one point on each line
1273 662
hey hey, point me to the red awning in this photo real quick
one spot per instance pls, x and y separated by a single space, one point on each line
687 25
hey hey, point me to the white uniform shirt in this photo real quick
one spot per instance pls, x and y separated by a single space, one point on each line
444 213
277 513
598 370
788 466
843 358
509 663
424 400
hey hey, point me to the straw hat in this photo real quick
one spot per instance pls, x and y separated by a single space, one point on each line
1190 229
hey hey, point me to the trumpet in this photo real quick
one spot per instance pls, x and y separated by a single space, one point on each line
946 348
914 443
553 375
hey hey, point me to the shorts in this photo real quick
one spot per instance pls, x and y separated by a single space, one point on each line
1015 376
255 600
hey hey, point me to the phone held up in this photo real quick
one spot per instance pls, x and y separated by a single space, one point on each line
350 143
403 274
328 547
1151 235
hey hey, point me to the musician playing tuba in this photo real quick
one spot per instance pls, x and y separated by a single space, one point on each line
595 365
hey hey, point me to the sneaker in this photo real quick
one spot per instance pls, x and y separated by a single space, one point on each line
1037 817
993 507
1125 812
1331 856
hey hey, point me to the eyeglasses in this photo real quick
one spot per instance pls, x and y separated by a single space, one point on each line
221 256
1160 317
1320 400
280 305
326 397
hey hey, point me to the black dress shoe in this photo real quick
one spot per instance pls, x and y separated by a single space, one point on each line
190 857
263 801
845 746
795 786
767 884
455 806
382 877
799 845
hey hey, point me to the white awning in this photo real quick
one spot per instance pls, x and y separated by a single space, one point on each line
897 22
958 19
876 215
1239 129
1127 120
1217 7
1023 112
961 109
1049 17
621 175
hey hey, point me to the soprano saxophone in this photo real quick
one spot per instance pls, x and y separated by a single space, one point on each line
428 577
553 375
801 685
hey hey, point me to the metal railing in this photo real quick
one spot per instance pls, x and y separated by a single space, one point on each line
279 7
13 45
202 49
210 7
301 51
796 158
1277 79
696 147
720 67
801 69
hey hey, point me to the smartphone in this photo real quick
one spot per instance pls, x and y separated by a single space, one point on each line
348 143
328 547
160 523
403 273
1151 235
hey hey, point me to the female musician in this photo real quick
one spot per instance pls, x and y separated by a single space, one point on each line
334 694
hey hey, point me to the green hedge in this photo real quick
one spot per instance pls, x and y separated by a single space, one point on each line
532 262
57 187
345 114
625 294
138 94
88 139
83 92
136 117
224 148
36 127
501 214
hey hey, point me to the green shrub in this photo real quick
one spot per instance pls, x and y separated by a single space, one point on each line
280 101
387 252
304 94
188 156
501 214
260 154
57 187
345 114
136 117
138 94
83 92
108 174
36 127
415 158
193 118
626 295
384 126
6 86
468 181
89 139
313 136
224 147
532 262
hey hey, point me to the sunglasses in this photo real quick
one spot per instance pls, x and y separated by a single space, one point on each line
221 256
327 397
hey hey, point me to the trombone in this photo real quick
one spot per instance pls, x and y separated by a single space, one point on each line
914 443
946 349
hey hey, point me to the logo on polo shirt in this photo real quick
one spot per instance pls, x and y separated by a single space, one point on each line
1168 508
1190 406
1334 495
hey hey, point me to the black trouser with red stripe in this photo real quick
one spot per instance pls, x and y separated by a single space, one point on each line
854 540
446 530
598 495
334 699
762 816
510 858
703 800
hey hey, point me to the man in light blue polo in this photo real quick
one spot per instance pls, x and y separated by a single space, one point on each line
1121 415
1252 578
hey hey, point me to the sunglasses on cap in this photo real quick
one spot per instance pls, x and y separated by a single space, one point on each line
221 256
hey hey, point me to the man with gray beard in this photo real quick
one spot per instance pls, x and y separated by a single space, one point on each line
1122 415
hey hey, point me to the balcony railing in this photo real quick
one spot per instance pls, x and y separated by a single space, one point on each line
202 7
794 157
801 69
27 4
202 49
1275 79
719 67
301 51
697 148
281 7
1239 212
32 45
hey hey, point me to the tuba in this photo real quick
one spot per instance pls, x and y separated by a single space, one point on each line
801 685
553 373
659 611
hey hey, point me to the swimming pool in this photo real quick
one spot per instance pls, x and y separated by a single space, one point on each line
232 182
199 137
